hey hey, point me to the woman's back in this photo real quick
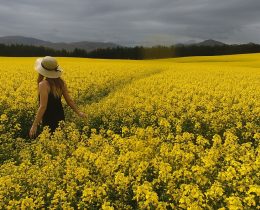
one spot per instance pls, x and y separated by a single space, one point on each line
54 111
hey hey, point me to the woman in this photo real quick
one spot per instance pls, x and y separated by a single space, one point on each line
50 91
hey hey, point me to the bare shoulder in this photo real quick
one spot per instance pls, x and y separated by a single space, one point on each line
64 87
44 85
65 84
44 82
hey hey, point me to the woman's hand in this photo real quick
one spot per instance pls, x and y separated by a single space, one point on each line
83 115
33 131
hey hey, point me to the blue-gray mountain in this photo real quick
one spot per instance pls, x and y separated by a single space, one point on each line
208 42
85 45
91 46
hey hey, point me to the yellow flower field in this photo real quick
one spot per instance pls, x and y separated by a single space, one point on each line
177 133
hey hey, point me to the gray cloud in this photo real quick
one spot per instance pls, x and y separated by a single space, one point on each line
132 22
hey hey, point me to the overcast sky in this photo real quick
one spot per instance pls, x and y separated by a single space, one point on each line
132 21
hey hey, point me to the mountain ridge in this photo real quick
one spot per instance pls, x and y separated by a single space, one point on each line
207 42
211 42
69 46
90 46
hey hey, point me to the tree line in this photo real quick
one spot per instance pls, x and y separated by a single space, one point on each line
137 53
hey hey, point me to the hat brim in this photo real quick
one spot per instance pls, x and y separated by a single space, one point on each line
50 74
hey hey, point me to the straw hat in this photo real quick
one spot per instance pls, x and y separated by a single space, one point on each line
48 67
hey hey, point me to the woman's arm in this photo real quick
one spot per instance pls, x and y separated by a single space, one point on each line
70 102
43 105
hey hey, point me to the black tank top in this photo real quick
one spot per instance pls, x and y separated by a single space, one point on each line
53 113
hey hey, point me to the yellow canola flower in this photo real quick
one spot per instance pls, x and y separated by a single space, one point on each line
159 134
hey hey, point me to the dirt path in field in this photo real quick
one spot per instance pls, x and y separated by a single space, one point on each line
103 93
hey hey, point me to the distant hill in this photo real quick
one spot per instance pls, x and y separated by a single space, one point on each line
85 45
211 43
